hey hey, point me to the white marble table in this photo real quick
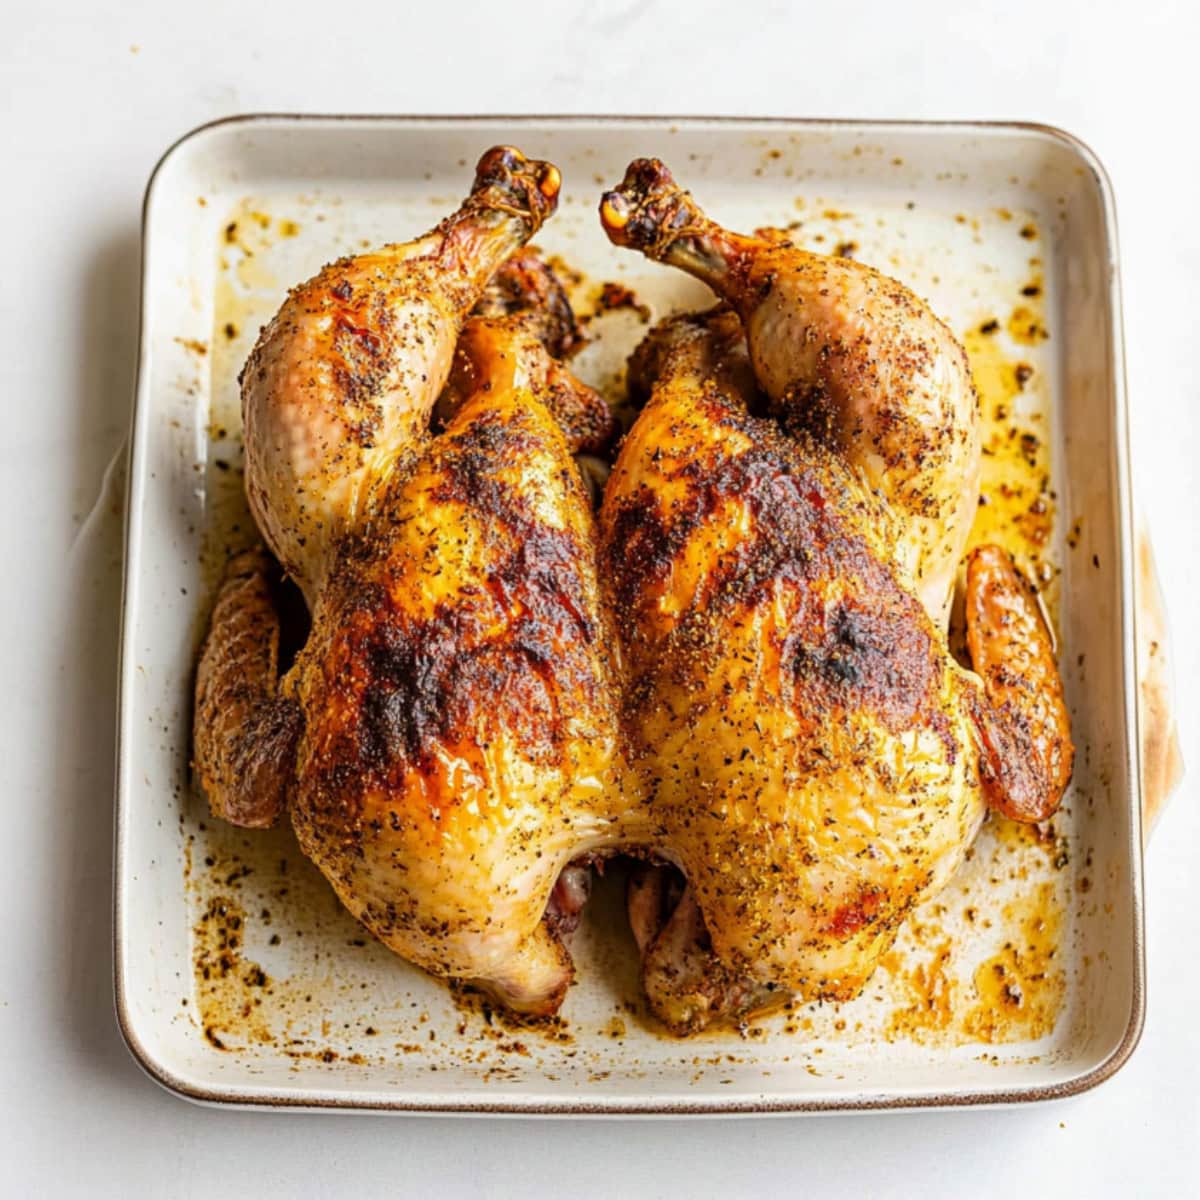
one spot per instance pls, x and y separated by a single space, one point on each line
89 96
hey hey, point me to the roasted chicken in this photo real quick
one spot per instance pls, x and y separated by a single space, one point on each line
446 742
817 762
741 670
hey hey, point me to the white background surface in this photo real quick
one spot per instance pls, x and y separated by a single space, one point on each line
90 94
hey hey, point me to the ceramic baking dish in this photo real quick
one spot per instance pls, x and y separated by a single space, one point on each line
238 977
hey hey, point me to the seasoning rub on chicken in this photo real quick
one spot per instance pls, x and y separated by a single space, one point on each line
446 742
738 672
817 761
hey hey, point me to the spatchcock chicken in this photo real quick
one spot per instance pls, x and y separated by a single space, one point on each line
737 673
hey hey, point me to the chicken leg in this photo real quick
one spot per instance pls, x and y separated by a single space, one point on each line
339 386
845 354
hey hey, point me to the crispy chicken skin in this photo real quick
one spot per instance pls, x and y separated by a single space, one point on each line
845 354
498 350
808 742
341 382
446 742
525 286
461 743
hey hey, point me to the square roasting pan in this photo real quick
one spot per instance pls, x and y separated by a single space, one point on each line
239 979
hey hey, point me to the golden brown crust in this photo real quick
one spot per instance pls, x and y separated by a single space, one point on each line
462 743
1023 723
846 355
709 345
245 733
802 728
857 640
524 323
346 374
509 352
527 285
583 415
491 659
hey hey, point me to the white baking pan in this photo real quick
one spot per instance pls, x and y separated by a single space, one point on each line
239 978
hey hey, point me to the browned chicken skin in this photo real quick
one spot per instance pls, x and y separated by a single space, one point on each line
449 738
498 347
818 762
246 732
845 354
525 286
